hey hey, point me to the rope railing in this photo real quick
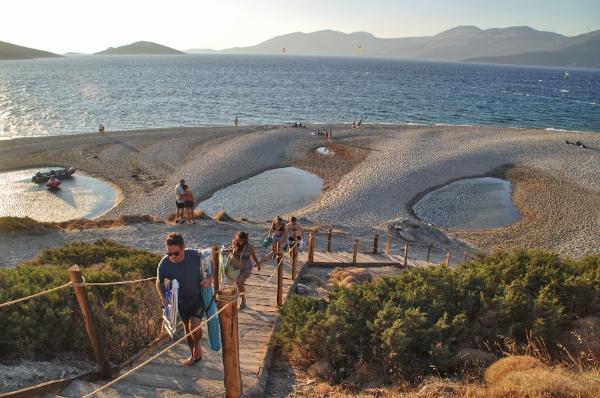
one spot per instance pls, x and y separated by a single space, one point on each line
20 300
70 284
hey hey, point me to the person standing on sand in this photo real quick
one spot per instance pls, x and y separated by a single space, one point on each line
242 254
236 121
184 265
188 204
354 124
179 203
277 233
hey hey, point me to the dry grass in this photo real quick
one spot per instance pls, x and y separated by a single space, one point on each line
346 277
24 225
515 363
222 216
539 382
83 223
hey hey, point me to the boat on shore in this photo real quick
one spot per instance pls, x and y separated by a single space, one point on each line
53 183
60 174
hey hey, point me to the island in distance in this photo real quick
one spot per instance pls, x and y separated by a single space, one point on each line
141 48
13 51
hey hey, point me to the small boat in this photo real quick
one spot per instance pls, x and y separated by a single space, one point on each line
53 183
59 174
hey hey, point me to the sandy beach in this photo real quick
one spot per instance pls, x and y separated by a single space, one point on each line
378 172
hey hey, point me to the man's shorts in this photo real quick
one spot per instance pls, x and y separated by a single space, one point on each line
196 310
179 204
188 204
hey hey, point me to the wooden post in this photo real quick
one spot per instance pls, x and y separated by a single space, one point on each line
388 244
280 274
311 248
294 263
448 256
228 320
466 255
88 320
329 236
215 270
428 251
375 243
405 259
355 251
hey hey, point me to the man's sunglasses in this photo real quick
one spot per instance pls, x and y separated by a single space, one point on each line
174 254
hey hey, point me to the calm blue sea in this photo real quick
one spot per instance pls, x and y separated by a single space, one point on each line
60 96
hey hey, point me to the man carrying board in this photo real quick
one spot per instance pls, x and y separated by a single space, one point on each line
182 264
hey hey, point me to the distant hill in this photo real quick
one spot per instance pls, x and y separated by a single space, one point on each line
12 51
462 42
580 55
141 48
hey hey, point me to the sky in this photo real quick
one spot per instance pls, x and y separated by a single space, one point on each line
89 26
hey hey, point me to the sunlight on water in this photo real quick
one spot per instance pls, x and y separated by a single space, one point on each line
76 94
78 197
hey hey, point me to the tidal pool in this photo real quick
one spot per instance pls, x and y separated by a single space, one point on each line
469 204
81 196
266 195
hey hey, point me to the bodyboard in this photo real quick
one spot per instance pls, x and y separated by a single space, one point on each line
214 330
169 313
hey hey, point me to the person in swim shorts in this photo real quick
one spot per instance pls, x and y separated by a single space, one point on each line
278 235
184 265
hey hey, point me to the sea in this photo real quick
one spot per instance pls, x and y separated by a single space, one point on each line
75 94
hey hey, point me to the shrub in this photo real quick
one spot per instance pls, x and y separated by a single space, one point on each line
24 224
128 316
412 324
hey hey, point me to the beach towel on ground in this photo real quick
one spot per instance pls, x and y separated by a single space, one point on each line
214 331
170 311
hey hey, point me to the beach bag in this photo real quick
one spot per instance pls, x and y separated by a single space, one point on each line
169 313
208 297
266 242
228 274
302 245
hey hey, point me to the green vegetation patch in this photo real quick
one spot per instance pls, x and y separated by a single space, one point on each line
412 324
128 316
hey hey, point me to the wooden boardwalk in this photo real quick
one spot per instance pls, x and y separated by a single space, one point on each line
166 377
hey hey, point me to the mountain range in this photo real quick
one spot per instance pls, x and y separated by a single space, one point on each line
521 45
514 45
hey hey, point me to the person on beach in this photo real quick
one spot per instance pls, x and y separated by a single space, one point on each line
354 124
242 254
278 235
188 204
360 122
184 265
236 121
295 233
179 203
101 129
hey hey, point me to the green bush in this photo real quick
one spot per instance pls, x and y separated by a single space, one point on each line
128 316
413 323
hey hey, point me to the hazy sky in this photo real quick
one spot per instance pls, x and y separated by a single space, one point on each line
89 26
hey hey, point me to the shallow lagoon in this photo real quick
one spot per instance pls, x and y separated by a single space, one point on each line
469 204
266 195
81 196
